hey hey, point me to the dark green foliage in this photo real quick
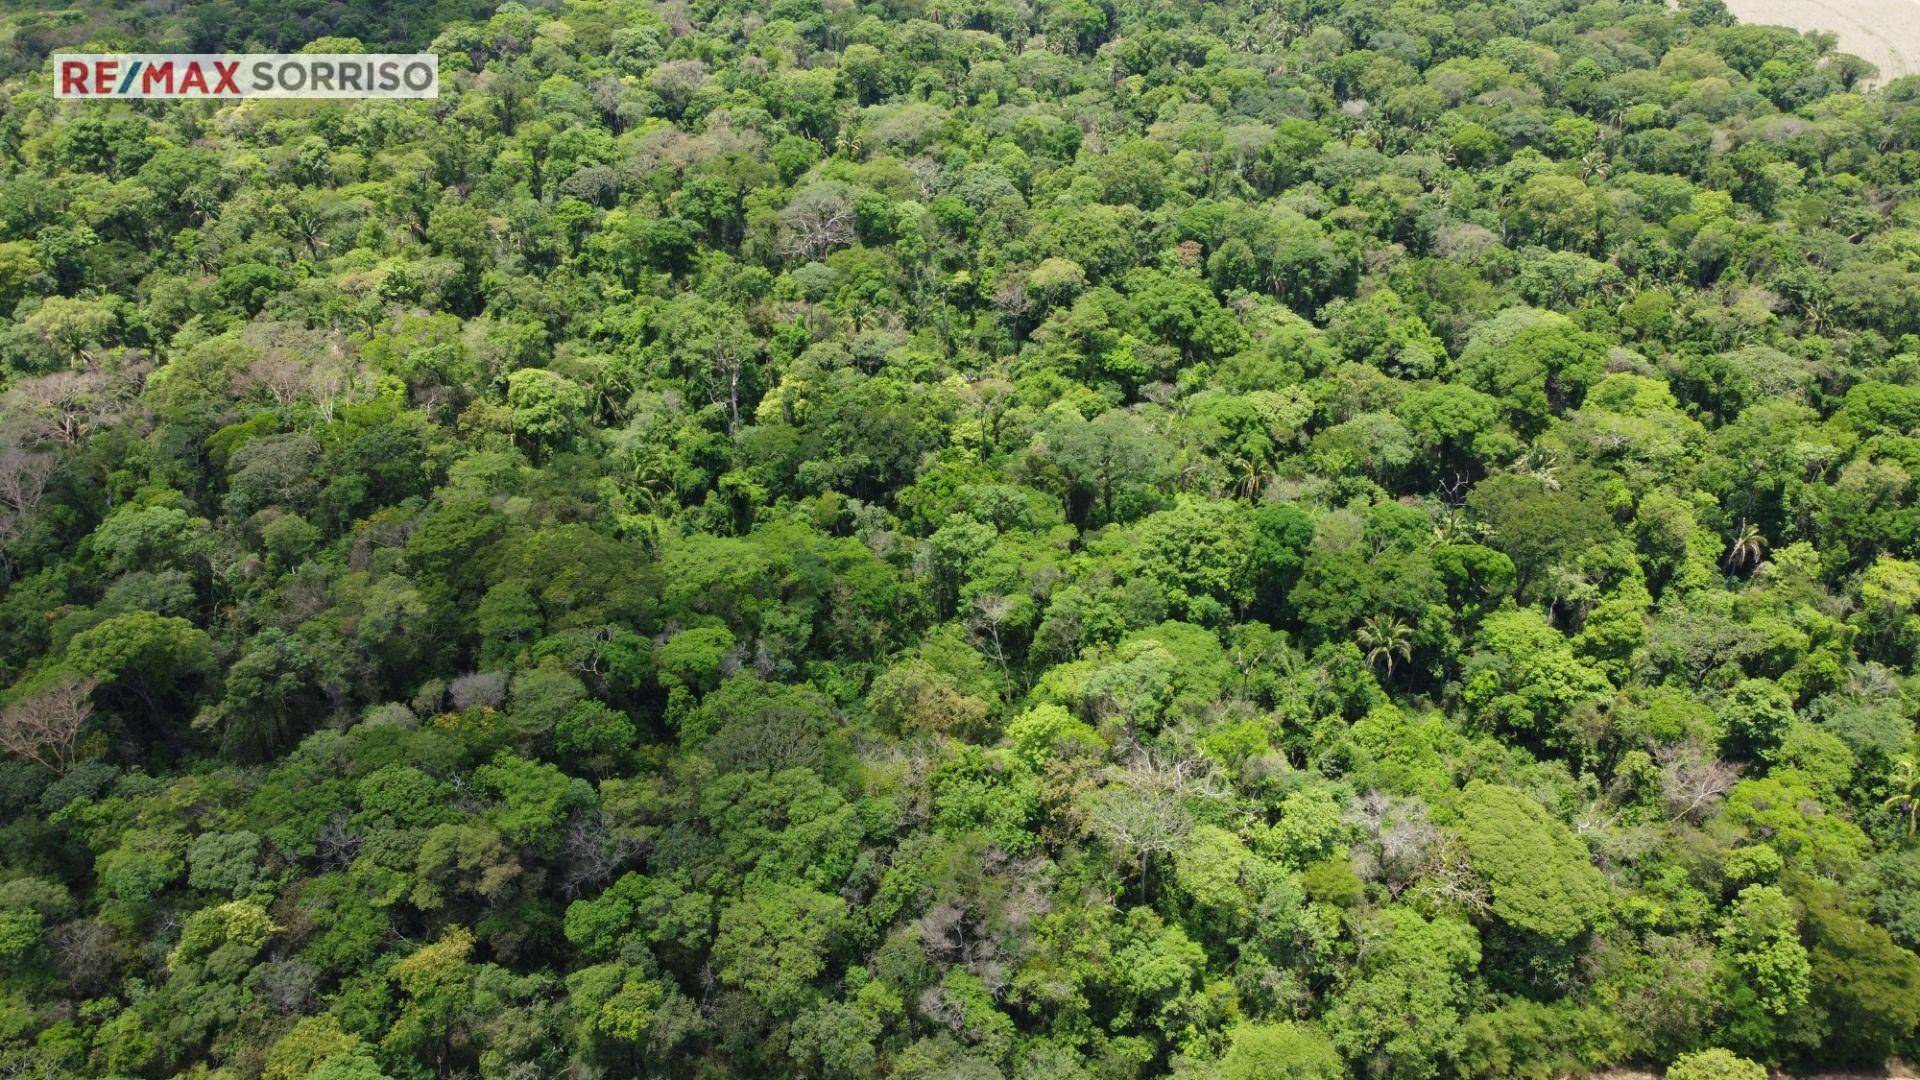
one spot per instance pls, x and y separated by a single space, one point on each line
1073 539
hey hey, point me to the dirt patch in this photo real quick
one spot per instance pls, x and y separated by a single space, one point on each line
1885 33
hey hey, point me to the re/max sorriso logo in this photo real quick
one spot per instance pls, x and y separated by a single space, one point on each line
246 75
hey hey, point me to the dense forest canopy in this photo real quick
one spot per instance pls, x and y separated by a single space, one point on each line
962 538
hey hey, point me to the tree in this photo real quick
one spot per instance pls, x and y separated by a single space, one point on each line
1906 792
818 219
148 537
218 943
270 690
1537 362
63 329
1867 985
1889 593
23 483
1384 637
1197 553
546 405
1538 523
1143 816
1060 538
1557 210
613 1004
775 942
1545 889
1747 548
1761 938
534 798
694 658
1398 1013
1280 1051
150 656
1526 677
1714 1064
1109 462
224 863
42 724
591 730
313 1041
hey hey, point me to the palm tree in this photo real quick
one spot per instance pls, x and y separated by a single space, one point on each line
1385 637
1748 546
1906 792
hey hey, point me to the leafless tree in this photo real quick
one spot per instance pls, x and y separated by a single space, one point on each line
1140 823
290 986
944 932
88 953
1449 878
59 407
1692 781
730 355
818 219
1010 298
674 14
990 613
336 844
23 480
294 363
594 854
676 82
1671 1009
288 378
481 689
980 927
43 727
1404 841
329 384
1142 812
279 374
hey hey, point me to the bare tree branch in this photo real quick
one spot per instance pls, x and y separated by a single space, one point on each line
44 727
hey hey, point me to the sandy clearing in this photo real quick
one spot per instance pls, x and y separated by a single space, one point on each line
1885 33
